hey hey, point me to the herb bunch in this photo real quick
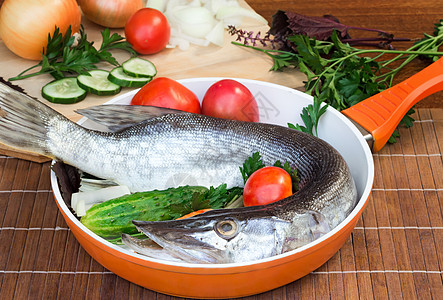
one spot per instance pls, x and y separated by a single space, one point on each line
72 54
338 73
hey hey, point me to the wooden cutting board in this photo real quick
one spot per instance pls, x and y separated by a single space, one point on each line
212 61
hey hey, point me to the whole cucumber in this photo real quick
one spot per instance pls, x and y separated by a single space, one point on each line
113 217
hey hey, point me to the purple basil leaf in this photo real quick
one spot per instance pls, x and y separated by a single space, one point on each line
320 28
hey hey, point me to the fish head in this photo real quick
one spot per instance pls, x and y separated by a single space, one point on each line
220 236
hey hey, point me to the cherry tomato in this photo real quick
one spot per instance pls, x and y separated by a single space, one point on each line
165 92
267 185
229 99
148 31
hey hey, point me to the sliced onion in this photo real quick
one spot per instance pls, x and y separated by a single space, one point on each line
183 40
82 201
192 21
217 34
110 13
234 13
156 4
25 24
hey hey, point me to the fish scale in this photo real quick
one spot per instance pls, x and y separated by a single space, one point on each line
153 153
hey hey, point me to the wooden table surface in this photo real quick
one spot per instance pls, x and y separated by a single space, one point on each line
396 250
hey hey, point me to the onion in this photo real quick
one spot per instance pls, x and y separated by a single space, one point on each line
201 22
156 4
216 35
232 15
194 21
110 13
25 24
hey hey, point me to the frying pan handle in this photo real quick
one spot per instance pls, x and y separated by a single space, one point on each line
381 113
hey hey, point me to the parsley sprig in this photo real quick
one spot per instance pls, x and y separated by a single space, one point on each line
214 197
255 162
341 75
69 54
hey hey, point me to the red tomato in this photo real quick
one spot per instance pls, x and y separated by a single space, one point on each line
165 92
148 31
267 185
229 99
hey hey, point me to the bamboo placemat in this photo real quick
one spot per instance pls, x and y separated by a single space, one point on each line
395 251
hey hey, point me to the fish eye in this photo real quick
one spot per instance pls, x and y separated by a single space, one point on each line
226 229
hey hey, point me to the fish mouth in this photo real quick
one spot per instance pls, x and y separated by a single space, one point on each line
180 239
148 247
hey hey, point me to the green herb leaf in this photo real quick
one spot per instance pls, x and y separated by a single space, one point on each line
339 74
252 164
310 116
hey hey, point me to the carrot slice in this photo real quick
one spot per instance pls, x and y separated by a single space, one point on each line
194 213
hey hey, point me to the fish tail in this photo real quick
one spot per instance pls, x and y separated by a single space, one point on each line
24 121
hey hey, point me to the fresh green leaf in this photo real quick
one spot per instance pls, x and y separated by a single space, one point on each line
311 117
393 137
339 74
217 197
309 54
251 164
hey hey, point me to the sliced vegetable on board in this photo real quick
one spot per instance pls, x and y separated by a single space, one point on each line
139 67
118 76
64 91
202 22
96 82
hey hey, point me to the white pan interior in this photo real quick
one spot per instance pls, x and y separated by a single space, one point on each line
277 105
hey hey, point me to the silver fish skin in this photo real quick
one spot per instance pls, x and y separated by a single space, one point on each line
184 148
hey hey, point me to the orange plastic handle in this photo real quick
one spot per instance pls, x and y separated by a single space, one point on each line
381 113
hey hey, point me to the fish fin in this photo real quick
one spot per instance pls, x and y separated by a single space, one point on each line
118 117
319 224
24 121
306 227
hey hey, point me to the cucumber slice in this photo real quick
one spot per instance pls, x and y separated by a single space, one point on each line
118 76
139 67
65 91
98 83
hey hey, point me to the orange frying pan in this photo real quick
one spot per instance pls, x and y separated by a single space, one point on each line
381 113
378 115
